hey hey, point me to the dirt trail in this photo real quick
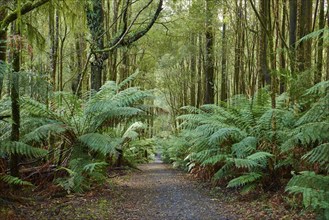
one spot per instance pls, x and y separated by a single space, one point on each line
160 192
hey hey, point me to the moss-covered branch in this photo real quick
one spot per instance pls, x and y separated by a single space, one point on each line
26 8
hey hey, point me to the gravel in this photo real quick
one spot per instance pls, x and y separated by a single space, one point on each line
160 192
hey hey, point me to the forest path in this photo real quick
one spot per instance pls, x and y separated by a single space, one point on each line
160 192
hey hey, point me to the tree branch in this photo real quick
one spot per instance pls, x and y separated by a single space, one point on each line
125 42
26 8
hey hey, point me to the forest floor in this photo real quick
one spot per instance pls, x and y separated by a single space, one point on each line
156 192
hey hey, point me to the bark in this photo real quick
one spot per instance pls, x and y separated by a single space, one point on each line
224 87
304 28
319 64
199 100
15 109
193 71
238 50
3 47
79 53
209 54
327 77
95 19
54 35
265 78
292 33
282 54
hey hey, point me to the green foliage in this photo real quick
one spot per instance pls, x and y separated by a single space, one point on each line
314 188
11 180
14 147
77 132
249 144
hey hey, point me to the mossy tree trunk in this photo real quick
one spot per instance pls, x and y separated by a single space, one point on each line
209 96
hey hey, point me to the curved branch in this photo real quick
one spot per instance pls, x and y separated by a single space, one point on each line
26 8
125 42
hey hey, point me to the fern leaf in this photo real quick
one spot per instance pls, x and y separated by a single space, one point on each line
214 159
319 154
11 147
12 180
99 143
244 179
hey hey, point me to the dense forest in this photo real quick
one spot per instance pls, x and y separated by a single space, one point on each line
235 92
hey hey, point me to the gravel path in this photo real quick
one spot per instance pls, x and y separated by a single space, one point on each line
160 192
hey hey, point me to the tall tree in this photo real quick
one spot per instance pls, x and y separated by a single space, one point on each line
319 64
327 77
14 94
292 33
304 27
3 46
95 19
224 82
264 13
209 54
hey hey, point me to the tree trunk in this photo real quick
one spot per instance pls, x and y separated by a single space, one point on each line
79 53
237 49
304 28
292 34
3 47
318 73
224 87
265 78
95 20
54 36
193 70
15 109
327 77
209 54
282 53
199 100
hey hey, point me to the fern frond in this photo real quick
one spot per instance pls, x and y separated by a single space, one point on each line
320 88
129 79
245 163
215 159
319 154
91 167
225 134
313 187
245 179
99 143
245 147
57 129
260 157
13 147
307 134
12 180
318 112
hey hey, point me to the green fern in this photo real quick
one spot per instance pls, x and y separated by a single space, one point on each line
11 180
13 147
313 187
245 179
